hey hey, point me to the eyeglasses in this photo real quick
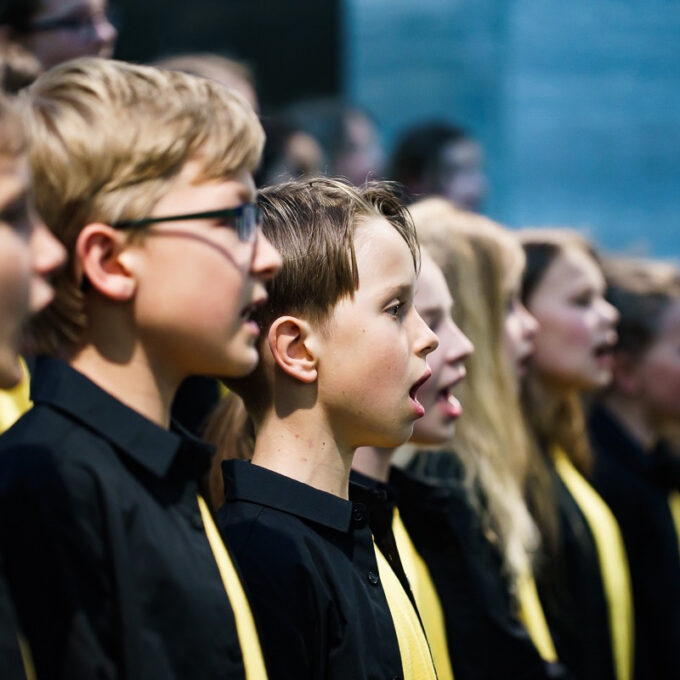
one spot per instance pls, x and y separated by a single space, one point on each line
245 219
78 23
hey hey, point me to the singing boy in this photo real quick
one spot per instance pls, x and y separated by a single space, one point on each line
343 355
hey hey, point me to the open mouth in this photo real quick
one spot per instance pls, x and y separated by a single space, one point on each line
413 393
446 401
248 312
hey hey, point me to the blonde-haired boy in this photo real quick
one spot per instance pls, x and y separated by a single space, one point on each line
343 354
112 556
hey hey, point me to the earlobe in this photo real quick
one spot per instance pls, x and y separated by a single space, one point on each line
292 342
98 256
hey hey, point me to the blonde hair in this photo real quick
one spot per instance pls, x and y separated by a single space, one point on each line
107 139
12 139
482 263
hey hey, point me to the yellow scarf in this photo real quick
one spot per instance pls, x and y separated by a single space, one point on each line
245 624
416 659
426 598
613 562
15 402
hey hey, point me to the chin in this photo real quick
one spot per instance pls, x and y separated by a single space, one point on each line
10 371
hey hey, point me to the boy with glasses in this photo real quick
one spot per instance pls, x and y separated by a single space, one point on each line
112 556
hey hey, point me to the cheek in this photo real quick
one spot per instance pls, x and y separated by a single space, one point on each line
662 384
562 337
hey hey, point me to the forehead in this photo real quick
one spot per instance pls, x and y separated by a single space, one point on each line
13 178
50 8
571 269
432 290
382 253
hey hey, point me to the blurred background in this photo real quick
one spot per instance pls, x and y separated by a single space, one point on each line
576 104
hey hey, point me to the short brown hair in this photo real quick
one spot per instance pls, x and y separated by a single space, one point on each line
107 138
312 223
641 290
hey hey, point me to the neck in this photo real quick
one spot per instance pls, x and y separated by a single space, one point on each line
631 414
134 382
373 462
301 446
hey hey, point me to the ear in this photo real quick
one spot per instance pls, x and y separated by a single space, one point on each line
626 374
294 346
99 250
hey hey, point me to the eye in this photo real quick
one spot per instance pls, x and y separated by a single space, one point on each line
396 309
583 299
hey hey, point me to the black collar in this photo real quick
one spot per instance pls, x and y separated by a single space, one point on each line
244 481
54 383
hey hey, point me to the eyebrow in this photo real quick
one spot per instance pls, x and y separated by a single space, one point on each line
398 290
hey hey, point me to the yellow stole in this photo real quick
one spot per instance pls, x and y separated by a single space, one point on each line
613 562
532 616
674 503
245 624
416 659
15 402
426 598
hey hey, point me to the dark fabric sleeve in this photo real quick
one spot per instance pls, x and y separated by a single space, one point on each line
54 555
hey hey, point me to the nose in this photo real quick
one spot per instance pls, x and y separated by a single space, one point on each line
529 323
609 313
47 254
426 339
266 261
105 32
458 345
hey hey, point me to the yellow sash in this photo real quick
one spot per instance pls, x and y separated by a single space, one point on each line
613 562
426 597
245 625
674 503
532 616
416 659
15 402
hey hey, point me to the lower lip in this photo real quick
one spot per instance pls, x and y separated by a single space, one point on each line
605 360
252 327
450 407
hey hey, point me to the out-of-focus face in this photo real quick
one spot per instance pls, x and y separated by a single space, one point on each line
363 157
28 255
519 333
66 29
658 371
447 363
15 267
460 175
573 347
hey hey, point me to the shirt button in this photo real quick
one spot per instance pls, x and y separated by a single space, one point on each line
358 513
373 578
197 521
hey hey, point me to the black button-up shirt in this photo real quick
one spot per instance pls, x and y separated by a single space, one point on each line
308 560
486 640
635 484
104 548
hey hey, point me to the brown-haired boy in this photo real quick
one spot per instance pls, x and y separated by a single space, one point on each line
112 556
343 354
